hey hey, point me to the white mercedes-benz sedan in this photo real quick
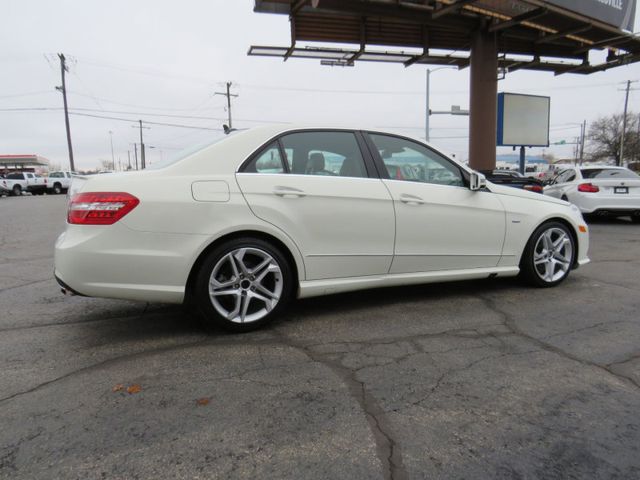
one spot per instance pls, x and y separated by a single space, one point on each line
599 190
241 226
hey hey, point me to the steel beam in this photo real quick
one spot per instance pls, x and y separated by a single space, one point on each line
452 7
518 19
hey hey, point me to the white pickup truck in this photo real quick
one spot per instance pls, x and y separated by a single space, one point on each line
19 182
59 182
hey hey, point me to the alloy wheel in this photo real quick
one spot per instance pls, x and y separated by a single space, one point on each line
553 254
245 285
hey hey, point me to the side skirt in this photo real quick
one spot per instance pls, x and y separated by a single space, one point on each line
314 288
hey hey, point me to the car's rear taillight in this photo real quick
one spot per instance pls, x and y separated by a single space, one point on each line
534 188
588 188
100 208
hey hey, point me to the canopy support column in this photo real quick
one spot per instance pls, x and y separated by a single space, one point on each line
483 101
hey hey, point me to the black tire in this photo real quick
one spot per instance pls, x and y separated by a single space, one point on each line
57 188
528 270
16 190
204 303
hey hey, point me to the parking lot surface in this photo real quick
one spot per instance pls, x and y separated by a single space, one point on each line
485 379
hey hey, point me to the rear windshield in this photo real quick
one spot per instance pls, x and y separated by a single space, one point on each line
187 152
15 176
608 173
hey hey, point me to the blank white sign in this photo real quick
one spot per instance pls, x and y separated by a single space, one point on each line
523 120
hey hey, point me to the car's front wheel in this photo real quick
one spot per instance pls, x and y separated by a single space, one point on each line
243 284
549 255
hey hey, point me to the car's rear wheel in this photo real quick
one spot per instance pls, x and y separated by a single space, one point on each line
243 284
549 255
57 189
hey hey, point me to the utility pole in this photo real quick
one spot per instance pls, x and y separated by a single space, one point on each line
228 94
143 164
113 159
63 89
637 157
584 133
620 160
135 152
129 157
142 159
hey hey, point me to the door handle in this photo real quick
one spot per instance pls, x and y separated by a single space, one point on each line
288 192
411 199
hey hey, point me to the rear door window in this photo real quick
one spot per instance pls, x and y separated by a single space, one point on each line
324 153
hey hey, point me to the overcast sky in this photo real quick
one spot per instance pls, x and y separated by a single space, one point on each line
161 61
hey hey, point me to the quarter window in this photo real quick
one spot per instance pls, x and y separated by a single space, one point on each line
268 160
410 161
334 154
566 176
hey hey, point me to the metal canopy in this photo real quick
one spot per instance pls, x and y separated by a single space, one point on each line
17 161
530 34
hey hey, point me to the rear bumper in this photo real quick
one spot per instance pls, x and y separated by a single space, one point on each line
589 203
615 212
117 262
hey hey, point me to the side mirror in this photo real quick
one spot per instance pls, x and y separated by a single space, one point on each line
477 181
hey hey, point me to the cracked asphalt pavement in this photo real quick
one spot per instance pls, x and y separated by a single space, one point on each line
485 379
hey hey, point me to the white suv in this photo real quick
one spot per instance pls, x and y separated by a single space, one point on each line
59 182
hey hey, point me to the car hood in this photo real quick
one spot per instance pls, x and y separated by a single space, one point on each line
516 192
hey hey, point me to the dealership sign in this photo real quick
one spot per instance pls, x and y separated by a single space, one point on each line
619 13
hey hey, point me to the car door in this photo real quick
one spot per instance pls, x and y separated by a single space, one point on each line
315 186
440 223
561 184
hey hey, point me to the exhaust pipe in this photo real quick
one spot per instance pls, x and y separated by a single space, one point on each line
67 292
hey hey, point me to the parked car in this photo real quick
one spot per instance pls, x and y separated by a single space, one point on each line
599 190
59 182
219 229
18 182
512 178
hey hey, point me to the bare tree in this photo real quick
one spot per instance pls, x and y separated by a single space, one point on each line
605 136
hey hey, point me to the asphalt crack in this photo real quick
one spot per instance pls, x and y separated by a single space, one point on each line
98 365
510 323
388 449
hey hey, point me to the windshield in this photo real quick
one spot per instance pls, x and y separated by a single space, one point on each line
608 173
184 153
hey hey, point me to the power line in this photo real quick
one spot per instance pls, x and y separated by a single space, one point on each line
145 121
28 94
80 112
138 106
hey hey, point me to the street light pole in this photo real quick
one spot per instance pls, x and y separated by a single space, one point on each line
427 126
426 123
